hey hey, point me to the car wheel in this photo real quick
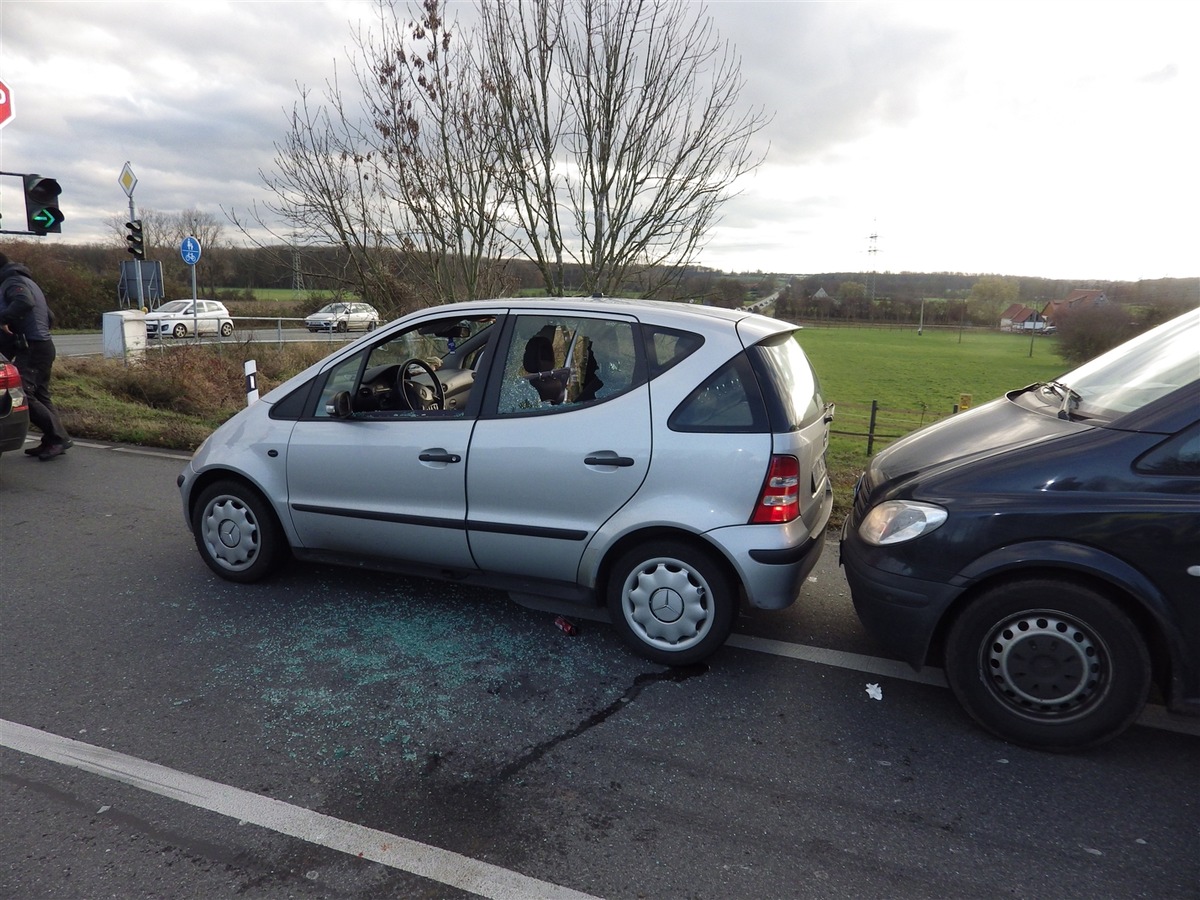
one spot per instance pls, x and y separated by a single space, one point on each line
372 325
236 532
343 326
226 329
1048 664
179 330
670 602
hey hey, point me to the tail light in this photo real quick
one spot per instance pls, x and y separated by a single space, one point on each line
779 500
10 381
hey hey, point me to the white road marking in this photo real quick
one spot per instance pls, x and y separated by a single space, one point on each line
397 852
1151 717
433 863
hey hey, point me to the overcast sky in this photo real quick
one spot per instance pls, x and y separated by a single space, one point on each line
1054 139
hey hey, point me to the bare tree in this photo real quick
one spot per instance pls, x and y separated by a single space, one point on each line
597 139
429 108
324 191
621 130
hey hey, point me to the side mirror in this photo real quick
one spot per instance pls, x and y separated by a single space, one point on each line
339 407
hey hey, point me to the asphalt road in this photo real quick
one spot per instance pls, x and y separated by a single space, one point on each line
346 734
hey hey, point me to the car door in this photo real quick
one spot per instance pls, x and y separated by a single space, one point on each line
564 444
387 482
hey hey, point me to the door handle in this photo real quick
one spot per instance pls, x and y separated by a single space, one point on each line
620 461
439 456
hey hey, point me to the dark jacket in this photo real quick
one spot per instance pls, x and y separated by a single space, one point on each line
23 305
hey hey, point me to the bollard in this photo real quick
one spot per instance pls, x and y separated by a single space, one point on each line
251 370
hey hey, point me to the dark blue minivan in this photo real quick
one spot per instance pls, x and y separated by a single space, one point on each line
1045 547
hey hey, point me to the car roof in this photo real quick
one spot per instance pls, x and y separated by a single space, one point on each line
662 310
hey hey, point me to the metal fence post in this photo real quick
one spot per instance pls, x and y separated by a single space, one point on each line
871 427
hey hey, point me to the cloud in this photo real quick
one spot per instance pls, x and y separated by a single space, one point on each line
1043 139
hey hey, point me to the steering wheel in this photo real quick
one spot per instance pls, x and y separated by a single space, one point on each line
404 385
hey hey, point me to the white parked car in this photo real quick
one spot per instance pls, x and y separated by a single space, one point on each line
343 317
180 318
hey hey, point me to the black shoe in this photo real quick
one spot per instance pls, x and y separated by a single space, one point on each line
53 451
36 450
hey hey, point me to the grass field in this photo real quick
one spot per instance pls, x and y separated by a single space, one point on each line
904 370
287 295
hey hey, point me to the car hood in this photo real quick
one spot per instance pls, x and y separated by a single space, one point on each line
994 428
155 316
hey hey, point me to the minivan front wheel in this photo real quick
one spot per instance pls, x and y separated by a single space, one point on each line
671 603
1049 664
236 532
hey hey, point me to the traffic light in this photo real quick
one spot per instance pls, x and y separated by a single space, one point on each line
137 245
41 204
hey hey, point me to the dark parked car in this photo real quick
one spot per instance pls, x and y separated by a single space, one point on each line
14 411
1045 547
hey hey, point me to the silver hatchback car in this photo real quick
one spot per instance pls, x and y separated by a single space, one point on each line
665 459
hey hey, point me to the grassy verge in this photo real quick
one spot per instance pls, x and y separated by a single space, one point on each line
175 397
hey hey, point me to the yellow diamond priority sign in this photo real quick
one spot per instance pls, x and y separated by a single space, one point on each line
128 180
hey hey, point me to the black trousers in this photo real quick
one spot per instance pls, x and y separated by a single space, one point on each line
35 363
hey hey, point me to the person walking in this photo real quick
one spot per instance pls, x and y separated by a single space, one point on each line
25 322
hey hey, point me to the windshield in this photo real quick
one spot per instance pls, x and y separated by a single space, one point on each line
176 306
333 308
1139 371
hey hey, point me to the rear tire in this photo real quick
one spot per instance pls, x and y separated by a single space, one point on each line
226 329
672 603
236 532
1048 664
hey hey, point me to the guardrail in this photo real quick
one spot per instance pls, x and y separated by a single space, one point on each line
239 336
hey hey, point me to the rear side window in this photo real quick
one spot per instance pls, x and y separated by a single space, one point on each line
727 401
791 388
665 347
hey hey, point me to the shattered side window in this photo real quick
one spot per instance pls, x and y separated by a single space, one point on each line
559 362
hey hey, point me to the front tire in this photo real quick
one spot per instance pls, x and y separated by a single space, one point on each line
1048 664
671 603
179 331
236 532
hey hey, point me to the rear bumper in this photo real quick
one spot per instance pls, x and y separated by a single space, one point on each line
772 562
13 428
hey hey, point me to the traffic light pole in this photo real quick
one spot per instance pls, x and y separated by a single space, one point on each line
137 262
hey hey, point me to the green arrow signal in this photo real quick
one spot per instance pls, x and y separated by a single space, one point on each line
47 218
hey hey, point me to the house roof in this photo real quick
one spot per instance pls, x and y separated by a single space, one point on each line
1076 300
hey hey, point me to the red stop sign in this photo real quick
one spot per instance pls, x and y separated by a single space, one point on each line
6 105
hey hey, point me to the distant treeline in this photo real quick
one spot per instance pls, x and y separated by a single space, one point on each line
81 283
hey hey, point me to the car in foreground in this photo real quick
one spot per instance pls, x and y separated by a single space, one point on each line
14 408
343 317
1045 547
180 318
666 460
